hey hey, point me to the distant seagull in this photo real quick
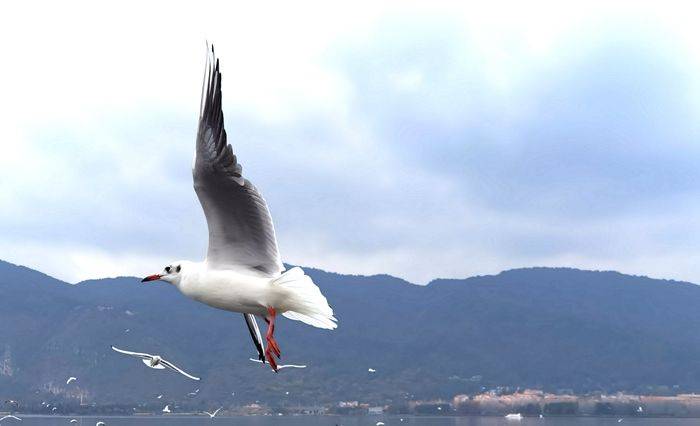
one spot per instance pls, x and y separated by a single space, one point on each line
159 396
10 417
243 271
166 409
280 367
54 409
380 424
619 420
71 379
212 415
371 370
100 424
193 394
640 409
155 362
73 421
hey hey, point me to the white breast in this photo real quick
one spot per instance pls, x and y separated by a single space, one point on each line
230 290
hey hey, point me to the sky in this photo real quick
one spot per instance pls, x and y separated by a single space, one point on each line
419 139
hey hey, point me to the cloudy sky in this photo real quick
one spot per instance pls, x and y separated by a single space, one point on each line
417 139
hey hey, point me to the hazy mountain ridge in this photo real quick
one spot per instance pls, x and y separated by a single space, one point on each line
535 327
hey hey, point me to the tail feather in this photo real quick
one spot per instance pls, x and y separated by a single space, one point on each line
306 303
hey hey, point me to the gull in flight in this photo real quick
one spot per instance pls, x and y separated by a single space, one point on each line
212 415
155 362
73 421
71 379
166 409
100 424
10 417
242 271
371 370
280 367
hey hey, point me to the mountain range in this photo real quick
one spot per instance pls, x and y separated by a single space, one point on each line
555 329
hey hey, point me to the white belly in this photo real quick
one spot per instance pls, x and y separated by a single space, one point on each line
231 291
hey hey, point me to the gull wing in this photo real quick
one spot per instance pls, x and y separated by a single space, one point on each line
241 233
173 367
279 367
137 354
255 335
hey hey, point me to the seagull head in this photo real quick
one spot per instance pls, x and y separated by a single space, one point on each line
172 273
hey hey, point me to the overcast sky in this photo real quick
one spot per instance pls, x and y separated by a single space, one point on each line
416 139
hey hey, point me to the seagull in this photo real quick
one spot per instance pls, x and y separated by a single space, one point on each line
193 394
280 367
155 362
242 271
212 415
100 424
73 421
166 409
159 396
71 379
371 370
10 417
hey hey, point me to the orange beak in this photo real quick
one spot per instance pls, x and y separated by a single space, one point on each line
153 277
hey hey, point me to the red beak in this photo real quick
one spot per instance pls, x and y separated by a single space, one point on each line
153 277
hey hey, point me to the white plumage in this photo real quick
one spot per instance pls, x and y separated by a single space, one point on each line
243 271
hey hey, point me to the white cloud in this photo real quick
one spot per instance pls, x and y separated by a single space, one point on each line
99 112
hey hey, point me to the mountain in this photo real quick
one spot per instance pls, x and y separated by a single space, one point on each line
547 328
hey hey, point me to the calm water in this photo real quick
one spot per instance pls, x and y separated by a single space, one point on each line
347 421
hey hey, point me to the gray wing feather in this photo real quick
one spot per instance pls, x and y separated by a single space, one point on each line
240 227
255 335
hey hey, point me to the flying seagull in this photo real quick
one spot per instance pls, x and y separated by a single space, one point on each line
100 424
212 415
10 417
243 271
279 367
166 409
155 362
71 379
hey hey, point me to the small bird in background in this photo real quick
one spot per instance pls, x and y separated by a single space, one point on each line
71 379
100 424
243 271
212 415
73 421
155 362
159 396
283 366
11 417
166 409
371 370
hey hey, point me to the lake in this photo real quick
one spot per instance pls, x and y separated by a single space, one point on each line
347 421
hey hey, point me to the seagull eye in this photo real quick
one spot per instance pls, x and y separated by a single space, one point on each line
178 268
167 269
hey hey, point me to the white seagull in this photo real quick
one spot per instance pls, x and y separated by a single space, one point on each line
242 271
212 415
279 367
371 370
71 379
155 362
10 417
166 409
100 424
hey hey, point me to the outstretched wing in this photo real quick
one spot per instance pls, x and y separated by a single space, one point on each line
241 233
173 367
137 354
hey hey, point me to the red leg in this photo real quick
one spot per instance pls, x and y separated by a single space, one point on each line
272 348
